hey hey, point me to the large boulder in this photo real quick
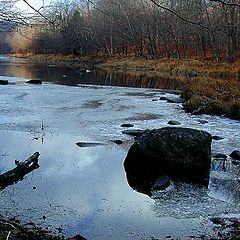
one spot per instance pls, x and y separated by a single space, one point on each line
183 154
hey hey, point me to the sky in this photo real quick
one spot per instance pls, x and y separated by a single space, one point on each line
35 3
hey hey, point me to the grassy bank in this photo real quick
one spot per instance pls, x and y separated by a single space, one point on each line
210 87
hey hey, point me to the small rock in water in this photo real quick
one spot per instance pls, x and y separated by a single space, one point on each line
4 82
163 98
218 221
174 123
175 100
34 81
155 100
217 138
136 132
89 144
162 183
219 156
127 125
202 121
77 237
235 155
235 162
118 142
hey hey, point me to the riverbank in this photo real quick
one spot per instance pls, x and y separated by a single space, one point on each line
225 229
209 87
12 229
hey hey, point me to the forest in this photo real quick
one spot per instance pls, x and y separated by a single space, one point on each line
153 29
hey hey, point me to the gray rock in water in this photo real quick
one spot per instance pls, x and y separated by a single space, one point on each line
174 123
236 162
78 237
235 155
162 183
217 138
202 121
163 98
182 154
4 82
118 142
89 144
34 81
127 125
134 132
219 156
173 99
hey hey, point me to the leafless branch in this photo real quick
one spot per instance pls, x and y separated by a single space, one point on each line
38 12
183 18
226 3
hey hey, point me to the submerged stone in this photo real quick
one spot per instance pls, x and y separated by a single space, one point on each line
174 123
162 183
134 132
89 144
217 138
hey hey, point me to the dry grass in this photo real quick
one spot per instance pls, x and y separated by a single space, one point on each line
210 68
220 96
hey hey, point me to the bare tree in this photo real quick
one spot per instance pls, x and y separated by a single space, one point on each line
146 28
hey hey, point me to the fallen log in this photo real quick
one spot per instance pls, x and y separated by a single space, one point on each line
22 169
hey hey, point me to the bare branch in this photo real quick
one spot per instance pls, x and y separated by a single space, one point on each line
226 3
183 18
37 11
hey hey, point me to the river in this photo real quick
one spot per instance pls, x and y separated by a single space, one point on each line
85 190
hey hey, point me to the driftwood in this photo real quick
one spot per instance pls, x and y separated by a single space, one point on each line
22 169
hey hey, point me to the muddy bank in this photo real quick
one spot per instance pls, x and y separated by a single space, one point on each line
13 230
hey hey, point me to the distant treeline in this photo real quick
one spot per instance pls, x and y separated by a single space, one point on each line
154 29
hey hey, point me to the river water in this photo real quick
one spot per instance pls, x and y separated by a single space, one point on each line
84 190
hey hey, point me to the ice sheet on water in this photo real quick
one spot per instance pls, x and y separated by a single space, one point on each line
183 200
95 114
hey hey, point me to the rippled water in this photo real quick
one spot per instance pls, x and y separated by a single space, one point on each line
84 190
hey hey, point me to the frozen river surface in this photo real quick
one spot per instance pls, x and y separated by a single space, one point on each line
84 190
